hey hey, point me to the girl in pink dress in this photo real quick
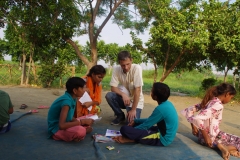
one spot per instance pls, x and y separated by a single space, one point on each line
205 124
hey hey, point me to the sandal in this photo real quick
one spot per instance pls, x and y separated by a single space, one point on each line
33 111
43 107
23 106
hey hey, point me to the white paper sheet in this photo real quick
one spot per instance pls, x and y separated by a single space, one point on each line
86 98
94 117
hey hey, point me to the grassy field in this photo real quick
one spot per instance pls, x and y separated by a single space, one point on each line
188 83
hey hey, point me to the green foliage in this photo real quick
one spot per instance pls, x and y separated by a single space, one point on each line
178 37
108 52
49 73
120 13
184 35
222 22
149 73
207 83
81 69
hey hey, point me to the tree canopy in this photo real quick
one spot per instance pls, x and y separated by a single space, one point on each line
184 35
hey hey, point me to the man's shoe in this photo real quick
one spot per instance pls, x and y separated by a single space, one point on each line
118 120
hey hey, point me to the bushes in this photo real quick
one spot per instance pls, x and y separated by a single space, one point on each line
50 73
207 83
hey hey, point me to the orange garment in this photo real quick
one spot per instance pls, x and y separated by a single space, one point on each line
95 94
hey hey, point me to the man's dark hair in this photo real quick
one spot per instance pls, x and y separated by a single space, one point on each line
97 69
74 82
123 55
161 90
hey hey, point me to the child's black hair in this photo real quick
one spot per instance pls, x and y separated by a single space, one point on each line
161 91
74 82
97 69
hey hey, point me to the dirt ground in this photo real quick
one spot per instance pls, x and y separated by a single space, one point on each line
34 97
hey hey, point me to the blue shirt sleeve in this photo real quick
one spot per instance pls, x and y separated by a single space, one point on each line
154 118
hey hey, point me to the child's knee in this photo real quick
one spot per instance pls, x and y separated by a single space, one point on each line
124 129
81 132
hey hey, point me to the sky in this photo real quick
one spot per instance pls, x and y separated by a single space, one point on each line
111 33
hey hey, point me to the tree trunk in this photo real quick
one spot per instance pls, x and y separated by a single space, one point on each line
238 81
88 63
23 76
34 71
155 72
29 68
109 69
172 67
234 80
225 74
20 62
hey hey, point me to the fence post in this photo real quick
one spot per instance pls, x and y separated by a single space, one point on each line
73 71
10 71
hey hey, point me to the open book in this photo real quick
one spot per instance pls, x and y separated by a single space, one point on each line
111 133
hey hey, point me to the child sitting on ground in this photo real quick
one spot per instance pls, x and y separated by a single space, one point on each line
6 108
205 124
164 115
94 87
61 123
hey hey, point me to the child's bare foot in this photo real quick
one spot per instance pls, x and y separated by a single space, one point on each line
233 151
121 139
224 150
77 140
89 129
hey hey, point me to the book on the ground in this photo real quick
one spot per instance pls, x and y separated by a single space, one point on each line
112 133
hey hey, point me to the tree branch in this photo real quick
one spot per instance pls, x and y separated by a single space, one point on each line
173 66
80 55
112 10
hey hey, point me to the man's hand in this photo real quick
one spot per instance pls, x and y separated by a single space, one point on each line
126 99
131 115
